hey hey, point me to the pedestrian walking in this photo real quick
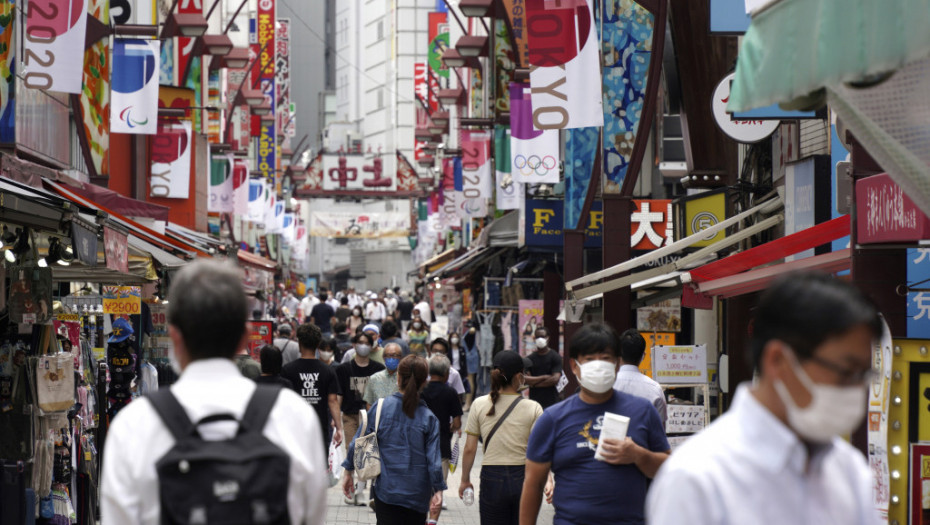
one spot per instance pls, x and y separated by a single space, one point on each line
777 455
568 433
417 336
405 310
440 347
384 383
408 438
207 315
286 344
271 368
629 378
342 341
316 383
248 367
322 315
502 420
443 401
389 334
371 345
545 372
355 320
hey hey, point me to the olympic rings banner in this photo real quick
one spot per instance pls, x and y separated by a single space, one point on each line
534 153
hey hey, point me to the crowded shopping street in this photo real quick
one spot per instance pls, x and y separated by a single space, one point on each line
454 262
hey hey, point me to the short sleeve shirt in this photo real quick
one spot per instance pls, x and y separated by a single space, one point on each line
508 446
314 381
543 365
444 402
566 436
353 380
322 314
380 386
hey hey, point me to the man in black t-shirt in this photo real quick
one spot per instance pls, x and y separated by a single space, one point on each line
316 383
404 311
353 378
445 405
343 312
546 371
321 315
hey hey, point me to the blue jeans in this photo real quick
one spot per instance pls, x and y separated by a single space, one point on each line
499 501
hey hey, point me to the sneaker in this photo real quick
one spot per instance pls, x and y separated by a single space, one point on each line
349 501
371 503
444 507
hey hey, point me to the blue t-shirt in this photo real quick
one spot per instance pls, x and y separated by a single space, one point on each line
589 491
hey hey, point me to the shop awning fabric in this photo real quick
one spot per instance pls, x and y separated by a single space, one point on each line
759 279
256 261
796 47
122 205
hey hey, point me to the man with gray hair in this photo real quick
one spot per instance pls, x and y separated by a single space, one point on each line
285 343
444 402
207 317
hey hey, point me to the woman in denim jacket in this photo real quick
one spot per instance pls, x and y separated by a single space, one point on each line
408 438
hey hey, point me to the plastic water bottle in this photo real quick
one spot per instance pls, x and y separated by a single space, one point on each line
469 496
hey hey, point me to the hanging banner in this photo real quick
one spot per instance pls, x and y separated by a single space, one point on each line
122 300
8 63
134 12
185 49
438 43
240 181
257 190
355 226
84 241
238 133
627 48
30 294
135 86
221 194
509 193
268 219
580 151
214 119
53 50
286 123
516 16
564 64
504 65
95 95
171 160
476 174
534 153
267 145
115 249
543 221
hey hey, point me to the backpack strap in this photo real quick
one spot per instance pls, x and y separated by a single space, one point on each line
259 408
168 407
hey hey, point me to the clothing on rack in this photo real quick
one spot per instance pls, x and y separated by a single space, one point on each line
485 337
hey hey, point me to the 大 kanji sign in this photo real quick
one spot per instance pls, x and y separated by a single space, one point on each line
651 225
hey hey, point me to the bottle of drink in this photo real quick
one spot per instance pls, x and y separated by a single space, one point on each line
469 496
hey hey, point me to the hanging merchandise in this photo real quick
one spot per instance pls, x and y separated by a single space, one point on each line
55 382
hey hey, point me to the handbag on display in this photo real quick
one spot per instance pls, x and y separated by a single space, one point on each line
367 457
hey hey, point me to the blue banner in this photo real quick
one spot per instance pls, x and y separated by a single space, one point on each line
545 218
580 152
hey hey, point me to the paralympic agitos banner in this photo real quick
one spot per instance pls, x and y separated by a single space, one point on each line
564 64
134 95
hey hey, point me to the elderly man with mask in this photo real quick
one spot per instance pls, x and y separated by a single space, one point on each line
384 383
777 455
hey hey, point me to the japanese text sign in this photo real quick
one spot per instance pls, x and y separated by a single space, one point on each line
684 418
887 213
651 225
680 364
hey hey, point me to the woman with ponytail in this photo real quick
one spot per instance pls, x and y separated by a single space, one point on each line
502 420
408 438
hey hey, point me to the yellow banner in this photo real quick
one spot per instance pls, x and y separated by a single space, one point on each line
122 300
704 212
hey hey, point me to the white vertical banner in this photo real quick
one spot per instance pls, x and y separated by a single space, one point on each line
134 86
534 153
509 192
257 190
221 196
268 219
53 49
477 175
240 180
565 69
171 160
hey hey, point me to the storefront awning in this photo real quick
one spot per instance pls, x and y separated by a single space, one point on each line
256 261
164 258
759 279
467 260
817 235
121 204
503 232
796 47
438 261
26 206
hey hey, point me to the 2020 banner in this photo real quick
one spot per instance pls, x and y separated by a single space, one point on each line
53 51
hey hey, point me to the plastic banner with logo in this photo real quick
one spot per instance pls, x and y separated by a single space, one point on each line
516 16
134 83
508 192
116 251
257 190
30 299
95 95
171 160
122 300
8 61
534 153
355 226
135 12
564 60
53 47
221 197
476 175
627 30
544 220
240 181
438 43
267 149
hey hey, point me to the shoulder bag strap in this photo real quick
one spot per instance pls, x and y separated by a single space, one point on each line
378 415
259 408
362 423
168 407
487 440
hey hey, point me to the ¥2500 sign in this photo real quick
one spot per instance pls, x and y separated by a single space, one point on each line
53 51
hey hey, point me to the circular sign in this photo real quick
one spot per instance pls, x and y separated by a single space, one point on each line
702 221
739 130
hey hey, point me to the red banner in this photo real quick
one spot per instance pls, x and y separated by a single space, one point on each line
116 251
886 213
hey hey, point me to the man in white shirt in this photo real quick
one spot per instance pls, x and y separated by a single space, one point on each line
306 305
630 380
354 299
207 316
424 309
776 456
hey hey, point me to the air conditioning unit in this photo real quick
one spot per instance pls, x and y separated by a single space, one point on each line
673 163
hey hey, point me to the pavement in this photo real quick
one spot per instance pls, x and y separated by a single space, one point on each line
338 512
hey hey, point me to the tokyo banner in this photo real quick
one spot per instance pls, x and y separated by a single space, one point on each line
564 64
240 181
477 176
134 98
221 184
171 160
53 50
534 153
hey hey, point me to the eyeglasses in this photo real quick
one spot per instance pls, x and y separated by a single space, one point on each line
847 376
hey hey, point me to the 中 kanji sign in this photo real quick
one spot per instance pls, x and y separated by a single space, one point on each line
680 364
651 224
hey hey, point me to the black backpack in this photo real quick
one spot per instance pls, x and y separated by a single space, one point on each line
242 480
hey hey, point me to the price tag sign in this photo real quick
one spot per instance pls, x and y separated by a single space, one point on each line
122 300
680 364
684 419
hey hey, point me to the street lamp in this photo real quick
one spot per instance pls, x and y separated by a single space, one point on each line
470 46
452 58
452 97
262 109
476 8
190 25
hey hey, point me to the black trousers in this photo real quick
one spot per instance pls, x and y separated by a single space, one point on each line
387 514
499 499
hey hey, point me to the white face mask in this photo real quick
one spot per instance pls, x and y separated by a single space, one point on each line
833 411
326 355
363 350
454 340
541 342
597 376
356 313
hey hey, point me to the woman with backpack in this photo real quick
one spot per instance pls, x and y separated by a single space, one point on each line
408 441
502 420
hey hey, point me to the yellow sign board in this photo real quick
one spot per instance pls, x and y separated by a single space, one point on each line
654 339
704 212
122 300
